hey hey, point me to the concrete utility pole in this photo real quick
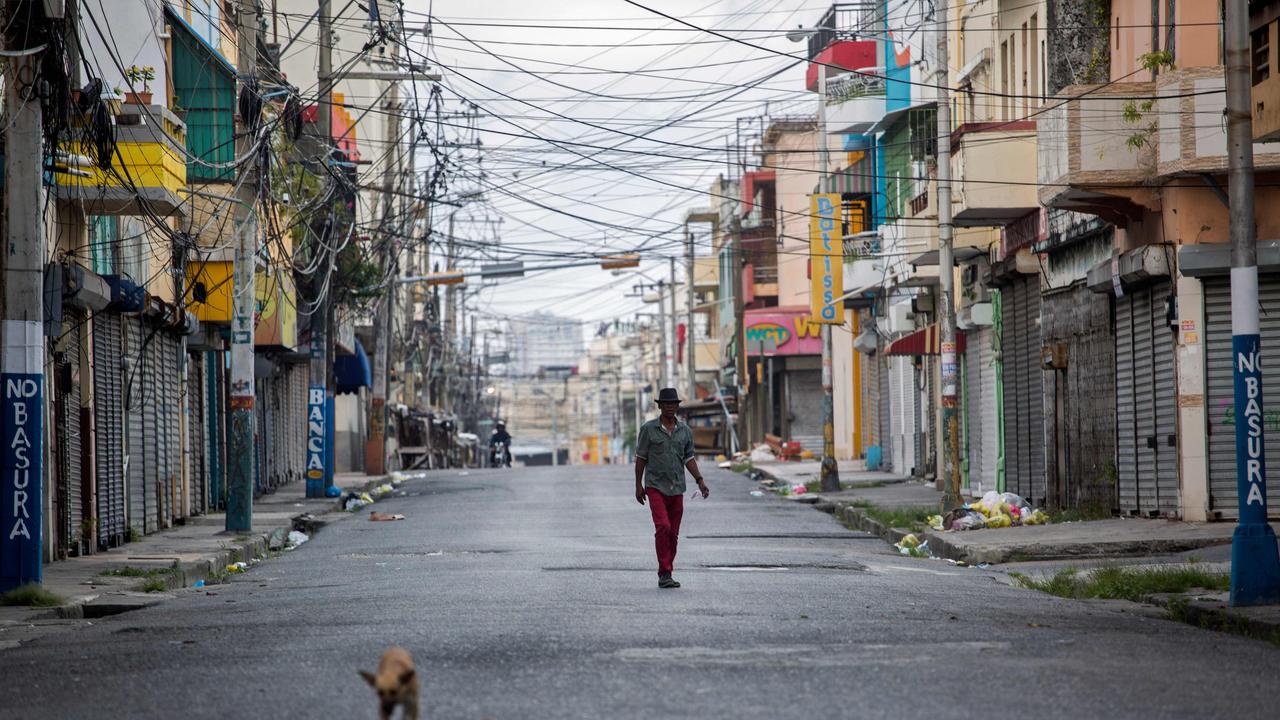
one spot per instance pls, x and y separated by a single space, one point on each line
675 328
450 327
375 451
320 390
1255 566
22 336
662 337
829 471
241 452
690 357
946 280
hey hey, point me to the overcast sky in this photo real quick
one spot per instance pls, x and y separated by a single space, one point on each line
630 71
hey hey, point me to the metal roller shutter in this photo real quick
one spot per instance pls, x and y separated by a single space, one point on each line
139 430
981 406
1023 389
168 349
884 402
1146 409
69 489
197 435
1220 398
109 435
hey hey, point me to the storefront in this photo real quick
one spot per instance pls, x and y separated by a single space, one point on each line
784 354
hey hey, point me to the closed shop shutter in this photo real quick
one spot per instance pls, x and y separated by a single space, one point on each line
1023 393
197 435
1220 387
169 349
980 403
1146 422
109 428
69 487
884 405
804 396
139 429
905 413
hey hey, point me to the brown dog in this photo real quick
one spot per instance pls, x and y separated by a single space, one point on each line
396 683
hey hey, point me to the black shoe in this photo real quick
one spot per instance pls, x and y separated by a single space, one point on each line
666 582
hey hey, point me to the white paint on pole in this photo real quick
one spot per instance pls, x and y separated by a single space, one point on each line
23 343
1244 300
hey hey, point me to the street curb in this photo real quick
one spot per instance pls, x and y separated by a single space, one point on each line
256 547
1210 614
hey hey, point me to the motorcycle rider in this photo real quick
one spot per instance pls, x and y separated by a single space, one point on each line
500 435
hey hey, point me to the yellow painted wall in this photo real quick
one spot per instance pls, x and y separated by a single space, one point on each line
216 278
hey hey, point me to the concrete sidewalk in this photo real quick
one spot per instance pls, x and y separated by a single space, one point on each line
177 557
801 472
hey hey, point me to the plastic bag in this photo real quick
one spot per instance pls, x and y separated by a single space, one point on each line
762 453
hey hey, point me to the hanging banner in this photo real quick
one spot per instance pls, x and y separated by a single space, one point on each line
826 259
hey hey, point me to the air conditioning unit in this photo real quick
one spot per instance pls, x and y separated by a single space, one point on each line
922 304
901 318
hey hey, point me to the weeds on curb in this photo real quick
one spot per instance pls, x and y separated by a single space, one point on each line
155 585
31 594
130 571
1119 582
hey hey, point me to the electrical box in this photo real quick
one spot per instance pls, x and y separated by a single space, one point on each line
1053 357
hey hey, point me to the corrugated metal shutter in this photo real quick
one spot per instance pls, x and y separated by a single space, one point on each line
169 402
1023 389
109 428
69 488
139 428
1146 422
1220 397
197 435
981 406
206 91
884 408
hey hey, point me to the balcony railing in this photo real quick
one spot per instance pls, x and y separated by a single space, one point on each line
843 21
764 275
843 88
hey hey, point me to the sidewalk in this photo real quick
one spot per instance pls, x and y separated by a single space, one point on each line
177 557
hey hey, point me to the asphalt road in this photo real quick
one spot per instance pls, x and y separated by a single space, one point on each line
531 593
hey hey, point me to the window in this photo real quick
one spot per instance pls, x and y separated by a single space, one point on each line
924 134
104 235
1033 65
1026 90
1260 60
1004 80
135 247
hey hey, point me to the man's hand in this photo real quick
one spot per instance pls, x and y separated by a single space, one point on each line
640 494
702 487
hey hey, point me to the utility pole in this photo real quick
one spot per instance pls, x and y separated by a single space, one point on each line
1255 566
662 336
22 362
675 327
375 451
320 390
690 359
946 280
240 442
829 471
451 303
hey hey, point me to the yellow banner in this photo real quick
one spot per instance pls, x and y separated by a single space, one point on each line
826 259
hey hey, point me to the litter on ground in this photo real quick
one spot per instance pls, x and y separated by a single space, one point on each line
994 510
376 516
296 538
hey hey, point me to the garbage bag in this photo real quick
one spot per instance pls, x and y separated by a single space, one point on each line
761 453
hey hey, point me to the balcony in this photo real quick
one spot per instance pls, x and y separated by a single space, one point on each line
706 274
847 54
994 166
149 156
1107 154
855 102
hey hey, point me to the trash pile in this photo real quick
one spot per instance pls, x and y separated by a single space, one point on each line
352 501
912 545
994 510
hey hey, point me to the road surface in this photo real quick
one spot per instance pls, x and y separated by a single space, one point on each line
531 593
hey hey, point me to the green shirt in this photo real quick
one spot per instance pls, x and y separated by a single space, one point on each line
665 455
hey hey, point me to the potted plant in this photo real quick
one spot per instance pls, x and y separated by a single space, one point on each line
139 76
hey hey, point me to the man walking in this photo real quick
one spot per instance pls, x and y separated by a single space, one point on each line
663 451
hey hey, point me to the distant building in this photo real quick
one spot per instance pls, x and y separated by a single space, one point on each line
542 339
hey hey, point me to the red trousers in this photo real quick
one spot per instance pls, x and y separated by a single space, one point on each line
667 511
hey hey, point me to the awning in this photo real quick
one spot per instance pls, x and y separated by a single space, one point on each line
925 341
352 371
960 254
